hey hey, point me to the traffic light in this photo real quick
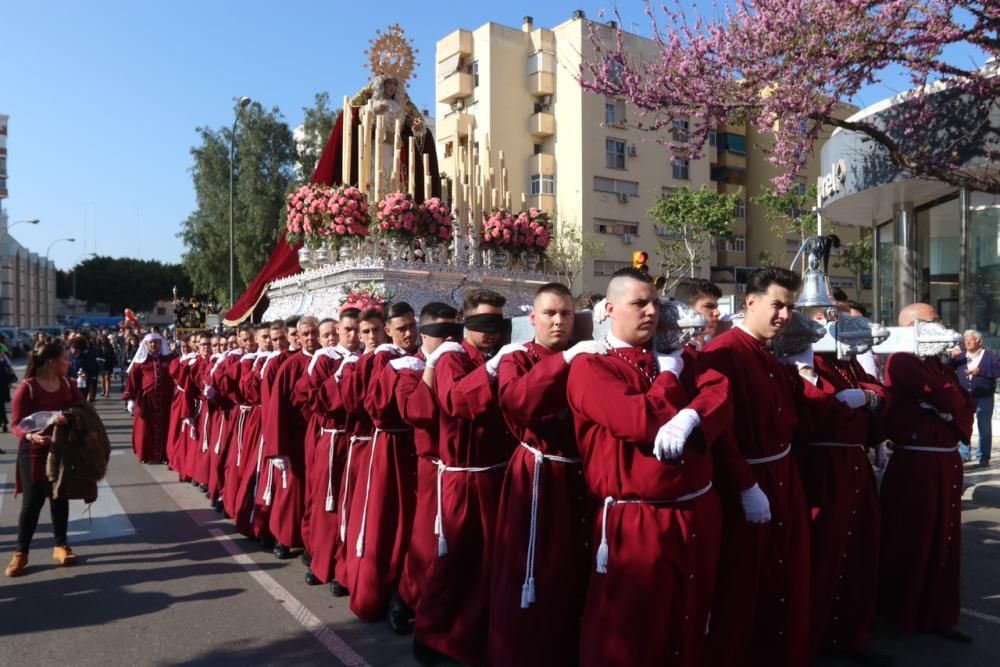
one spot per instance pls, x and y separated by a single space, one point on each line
639 259
659 282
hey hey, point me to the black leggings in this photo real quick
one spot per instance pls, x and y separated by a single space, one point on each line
35 493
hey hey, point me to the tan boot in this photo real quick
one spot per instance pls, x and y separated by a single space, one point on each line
63 555
18 562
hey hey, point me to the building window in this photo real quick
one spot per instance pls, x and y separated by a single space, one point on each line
792 245
539 61
616 186
474 71
713 138
734 143
449 148
842 283
542 185
681 130
538 149
614 150
800 188
739 243
616 227
681 168
740 210
614 113
605 267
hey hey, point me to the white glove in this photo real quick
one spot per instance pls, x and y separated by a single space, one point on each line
673 362
210 392
493 365
881 456
585 347
946 416
852 398
670 439
755 505
279 462
800 360
130 406
353 359
409 363
389 347
443 349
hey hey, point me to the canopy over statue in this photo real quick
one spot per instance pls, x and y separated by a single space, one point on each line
376 151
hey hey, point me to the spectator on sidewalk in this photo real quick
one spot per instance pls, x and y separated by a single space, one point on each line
978 369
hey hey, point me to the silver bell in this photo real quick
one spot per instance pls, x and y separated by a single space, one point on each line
816 290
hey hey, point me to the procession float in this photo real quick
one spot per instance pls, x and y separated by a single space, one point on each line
379 222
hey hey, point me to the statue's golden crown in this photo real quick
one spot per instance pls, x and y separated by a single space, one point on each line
392 54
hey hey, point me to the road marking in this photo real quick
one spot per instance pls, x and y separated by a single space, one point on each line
971 489
980 615
104 519
194 505
3 490
323 634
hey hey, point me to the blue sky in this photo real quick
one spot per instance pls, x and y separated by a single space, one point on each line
104 96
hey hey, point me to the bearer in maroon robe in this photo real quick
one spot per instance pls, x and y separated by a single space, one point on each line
149 392
325 465
922 491
418 408
645 457
190 444
761 610
284 443
237 447
177 431
452 616
541 555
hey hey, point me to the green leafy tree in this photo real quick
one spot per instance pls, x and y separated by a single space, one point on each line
568 252
691 219
857 258
316 129
122 282
263 174
792 214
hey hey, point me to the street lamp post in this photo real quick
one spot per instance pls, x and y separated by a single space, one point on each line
48 284
244 101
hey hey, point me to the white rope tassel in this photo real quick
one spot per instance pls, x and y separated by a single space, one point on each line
244 411
269 485
602 551
359 548
438 524
204 434
528 587
330 502
222 429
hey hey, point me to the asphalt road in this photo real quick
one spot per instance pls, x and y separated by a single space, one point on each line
163 580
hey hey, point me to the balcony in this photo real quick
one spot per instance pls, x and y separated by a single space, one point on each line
543 164
542 124
456 43
543 202
730 160
542 83
454 126
454 87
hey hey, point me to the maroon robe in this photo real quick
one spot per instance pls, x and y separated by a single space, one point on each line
418 408
239 444
452 615
190 438
843 502
209 425
267 477
543 627
177 429
150 385
922 495
284 436
655 555
761 610
219 451
248 521
388 516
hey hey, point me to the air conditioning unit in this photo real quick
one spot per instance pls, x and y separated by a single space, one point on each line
546 100
626 239
660 228
623 197
458 105
632 150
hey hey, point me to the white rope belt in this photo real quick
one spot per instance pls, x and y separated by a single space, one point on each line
244 411
528 587
932 450
268 492
269 484
609 502
222 429
329 465
769 459
204 434
438 520
347 484
836 444
360 546
180 389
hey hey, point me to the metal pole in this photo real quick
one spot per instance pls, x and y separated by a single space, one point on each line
232 242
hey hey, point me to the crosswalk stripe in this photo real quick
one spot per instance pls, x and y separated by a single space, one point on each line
104 519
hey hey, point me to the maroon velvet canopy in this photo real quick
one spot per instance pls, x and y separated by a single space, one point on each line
285 260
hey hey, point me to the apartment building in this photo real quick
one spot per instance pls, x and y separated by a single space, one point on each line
582 156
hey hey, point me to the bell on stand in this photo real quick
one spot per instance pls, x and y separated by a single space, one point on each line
816 291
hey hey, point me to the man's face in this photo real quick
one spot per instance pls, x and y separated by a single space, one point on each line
328 334
263 340
293 338
430 343
768 313
217 344
708 306
372 333
185 346
634 312
232 343
348 329
484 342
552 319
279 340
154 346
972 344
204 346
403 331
308 337
245 339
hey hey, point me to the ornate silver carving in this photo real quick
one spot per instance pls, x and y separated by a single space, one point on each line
798 333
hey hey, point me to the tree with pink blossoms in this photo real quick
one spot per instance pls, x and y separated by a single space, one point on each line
785 66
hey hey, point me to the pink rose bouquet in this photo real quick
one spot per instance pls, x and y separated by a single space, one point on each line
366 296
435 222
317 212
528 230
397 215
347 213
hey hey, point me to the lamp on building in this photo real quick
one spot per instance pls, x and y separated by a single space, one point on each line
29 221
244 102
76 263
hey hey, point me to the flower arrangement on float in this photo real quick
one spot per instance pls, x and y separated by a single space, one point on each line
435 228
525 236
396 220
318 215
366 296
